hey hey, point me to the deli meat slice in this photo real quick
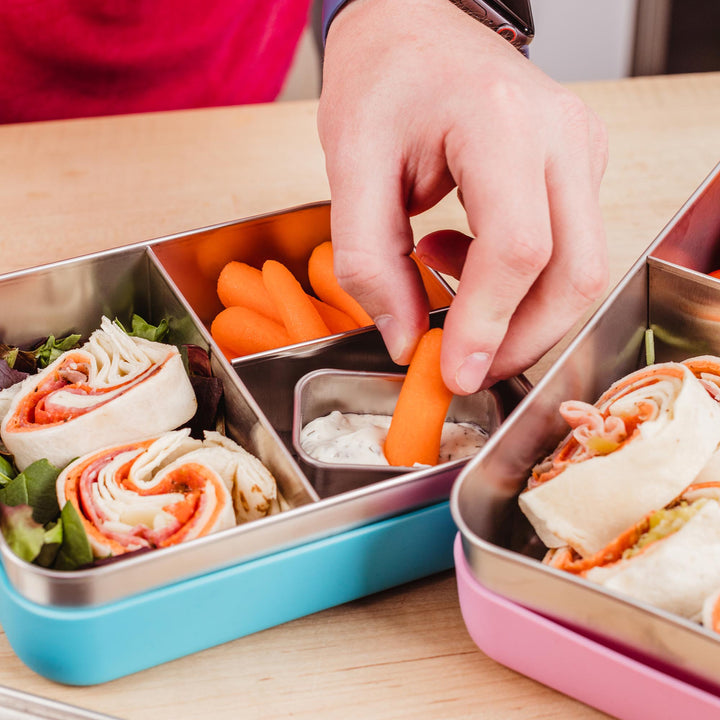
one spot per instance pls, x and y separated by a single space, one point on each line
634 451
113 389
166 490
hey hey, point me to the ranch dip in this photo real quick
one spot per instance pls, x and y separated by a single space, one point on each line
358 439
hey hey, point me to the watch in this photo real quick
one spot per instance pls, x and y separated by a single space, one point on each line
512 19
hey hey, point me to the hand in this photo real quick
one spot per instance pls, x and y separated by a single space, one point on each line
418 98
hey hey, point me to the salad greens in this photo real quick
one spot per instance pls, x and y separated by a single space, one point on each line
143 329
7 471
52 349
38 357
33 525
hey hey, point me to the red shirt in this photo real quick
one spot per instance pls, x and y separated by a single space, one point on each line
76 58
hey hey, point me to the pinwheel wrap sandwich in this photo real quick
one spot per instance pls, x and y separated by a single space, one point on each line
633 452
670 560
166 490
113 389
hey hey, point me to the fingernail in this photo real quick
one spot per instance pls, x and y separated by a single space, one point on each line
393 335
472 372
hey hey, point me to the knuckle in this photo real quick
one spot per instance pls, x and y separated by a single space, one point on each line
575 112
589 281
354 272
503 95
527 254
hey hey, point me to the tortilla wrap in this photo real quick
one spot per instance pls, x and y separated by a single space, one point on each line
113 389
633 452
674 567
166 490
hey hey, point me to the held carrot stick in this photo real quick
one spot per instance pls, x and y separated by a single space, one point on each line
437 295
417 422
327 288
302 321
242 284
242 331
336 320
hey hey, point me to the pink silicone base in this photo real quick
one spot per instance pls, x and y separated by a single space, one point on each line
571 663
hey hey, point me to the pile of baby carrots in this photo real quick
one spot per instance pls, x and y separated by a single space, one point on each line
268 308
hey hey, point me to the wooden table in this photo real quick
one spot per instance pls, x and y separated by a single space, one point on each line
72 187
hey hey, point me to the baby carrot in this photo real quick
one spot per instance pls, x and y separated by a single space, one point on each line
417 422
437 295
336 320
327 288
242 331
242 284
302 321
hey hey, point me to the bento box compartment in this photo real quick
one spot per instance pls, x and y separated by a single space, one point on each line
692 238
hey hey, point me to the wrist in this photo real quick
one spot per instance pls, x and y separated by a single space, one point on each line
330 8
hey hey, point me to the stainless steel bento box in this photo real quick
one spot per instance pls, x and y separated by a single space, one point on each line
669 292
176 278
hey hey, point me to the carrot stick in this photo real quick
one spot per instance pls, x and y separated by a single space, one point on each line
327 288
336 320
242 284
242 331
437 295
302 321
417 422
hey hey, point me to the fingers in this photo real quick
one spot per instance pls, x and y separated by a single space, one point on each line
508 215
372 240
577 274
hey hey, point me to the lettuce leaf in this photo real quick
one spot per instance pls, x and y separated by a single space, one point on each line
35 486
24 536
143 329
16 364
196 360
7 471
51 544
23 361
208 389
8 375
75 550
62 545
51 349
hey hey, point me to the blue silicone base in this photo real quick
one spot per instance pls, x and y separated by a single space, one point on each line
87 646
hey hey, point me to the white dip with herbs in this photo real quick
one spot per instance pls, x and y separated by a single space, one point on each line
358 439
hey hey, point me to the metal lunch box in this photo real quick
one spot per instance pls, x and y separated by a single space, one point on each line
598 639
330 544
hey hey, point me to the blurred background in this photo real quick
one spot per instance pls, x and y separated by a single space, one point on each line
579 40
